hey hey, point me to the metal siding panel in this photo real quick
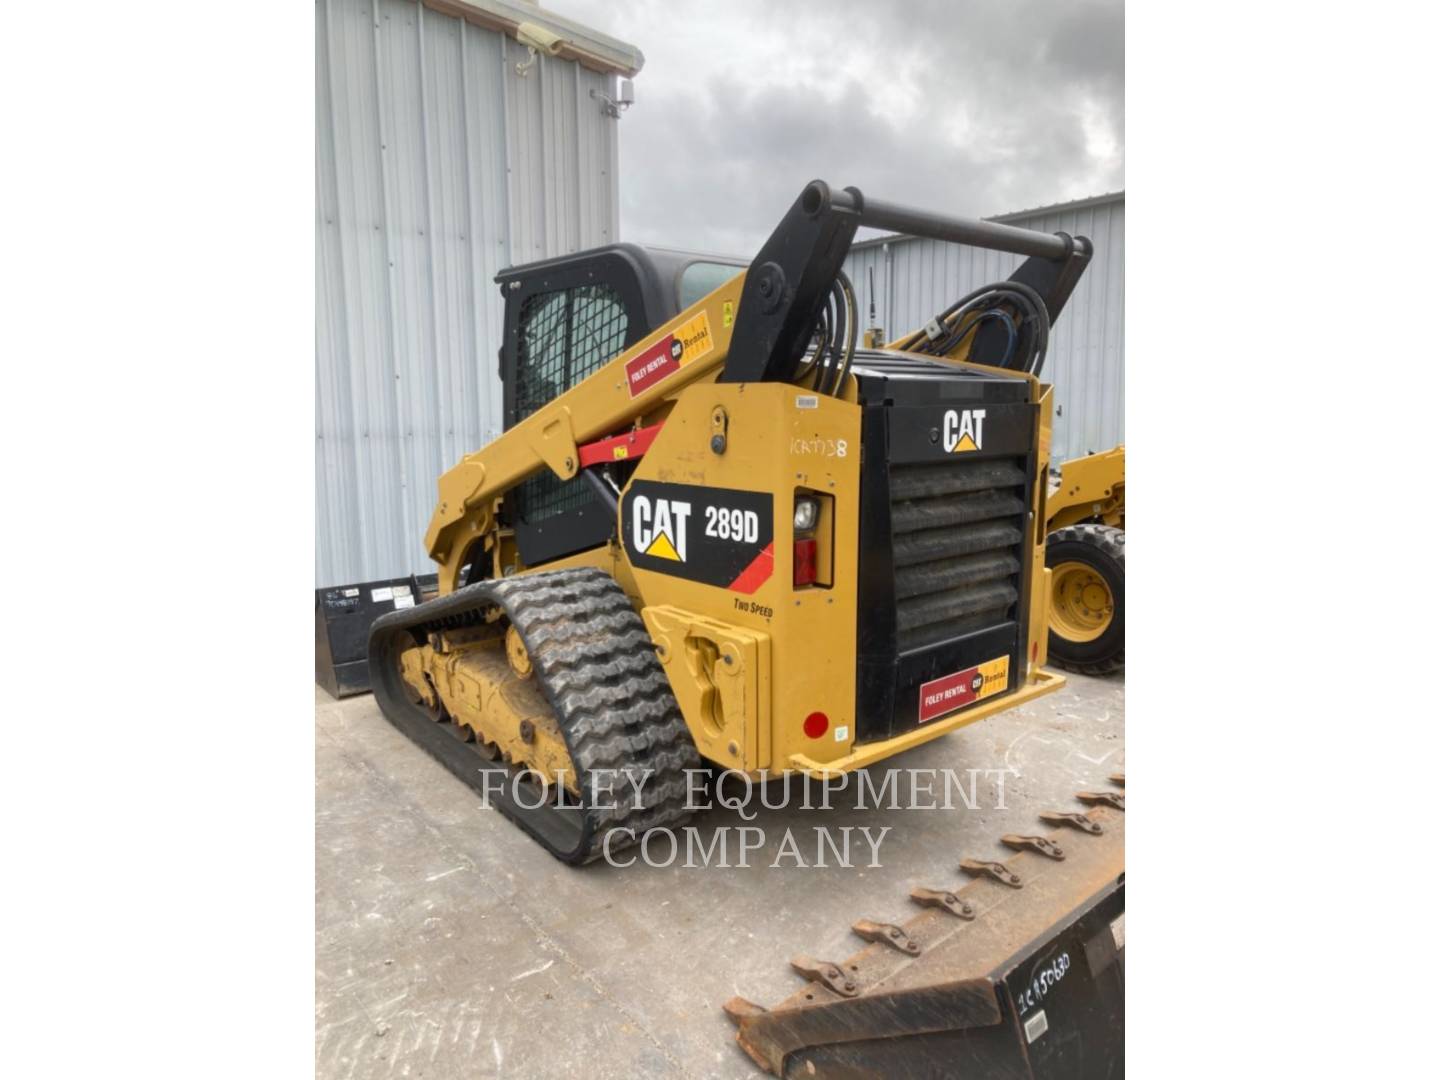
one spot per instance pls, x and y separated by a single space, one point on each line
552 172
431 176
447 227
868 261
1088 351
563 159
334 480
596 140
1086 362
353 383
565 151
398 78
489 242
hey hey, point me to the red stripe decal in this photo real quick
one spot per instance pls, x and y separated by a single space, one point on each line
757 573
630 445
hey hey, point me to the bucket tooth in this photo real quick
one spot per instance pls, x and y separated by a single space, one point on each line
738 1008
1075 821
887 934
826 973
1105 798
1118 778
1048 848
943 899
996 870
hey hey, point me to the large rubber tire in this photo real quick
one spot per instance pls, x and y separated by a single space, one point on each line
1100 548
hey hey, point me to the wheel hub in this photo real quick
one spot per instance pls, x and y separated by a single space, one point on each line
1081 607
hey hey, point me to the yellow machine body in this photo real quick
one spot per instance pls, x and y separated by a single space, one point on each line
1091 488
746 670
715 530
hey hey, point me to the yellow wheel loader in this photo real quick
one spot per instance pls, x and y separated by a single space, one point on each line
715 534
1085 553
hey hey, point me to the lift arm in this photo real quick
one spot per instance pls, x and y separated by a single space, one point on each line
774 304
601 404
790 278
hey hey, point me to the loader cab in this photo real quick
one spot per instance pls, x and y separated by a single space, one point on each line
565 318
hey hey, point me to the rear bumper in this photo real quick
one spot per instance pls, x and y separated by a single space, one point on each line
1041 683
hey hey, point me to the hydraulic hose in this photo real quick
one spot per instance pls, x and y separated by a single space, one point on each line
985 298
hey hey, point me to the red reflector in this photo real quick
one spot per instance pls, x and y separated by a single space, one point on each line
816 724
805 553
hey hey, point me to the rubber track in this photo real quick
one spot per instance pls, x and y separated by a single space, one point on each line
596 664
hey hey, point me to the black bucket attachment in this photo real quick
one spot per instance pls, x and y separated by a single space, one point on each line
343 614
1020 973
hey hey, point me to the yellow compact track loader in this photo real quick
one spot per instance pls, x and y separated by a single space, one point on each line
715 531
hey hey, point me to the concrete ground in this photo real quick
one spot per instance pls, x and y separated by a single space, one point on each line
450 945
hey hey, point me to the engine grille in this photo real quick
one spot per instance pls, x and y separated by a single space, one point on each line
957 529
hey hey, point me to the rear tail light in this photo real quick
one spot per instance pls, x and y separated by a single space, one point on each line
816 724
805 561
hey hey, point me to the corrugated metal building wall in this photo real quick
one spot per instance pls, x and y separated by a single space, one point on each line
436 166
914 279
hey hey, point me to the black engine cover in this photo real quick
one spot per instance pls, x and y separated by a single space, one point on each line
945 492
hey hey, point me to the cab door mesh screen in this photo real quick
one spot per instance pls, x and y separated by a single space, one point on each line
565 336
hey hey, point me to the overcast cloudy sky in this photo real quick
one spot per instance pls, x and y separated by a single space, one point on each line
975 107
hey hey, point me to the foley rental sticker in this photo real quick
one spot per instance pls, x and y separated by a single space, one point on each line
950 692
668 355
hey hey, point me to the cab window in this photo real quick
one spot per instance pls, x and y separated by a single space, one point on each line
702 278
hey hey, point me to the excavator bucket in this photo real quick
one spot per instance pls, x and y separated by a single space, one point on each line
1019 973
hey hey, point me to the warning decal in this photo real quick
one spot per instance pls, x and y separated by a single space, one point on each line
687 344
944 695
